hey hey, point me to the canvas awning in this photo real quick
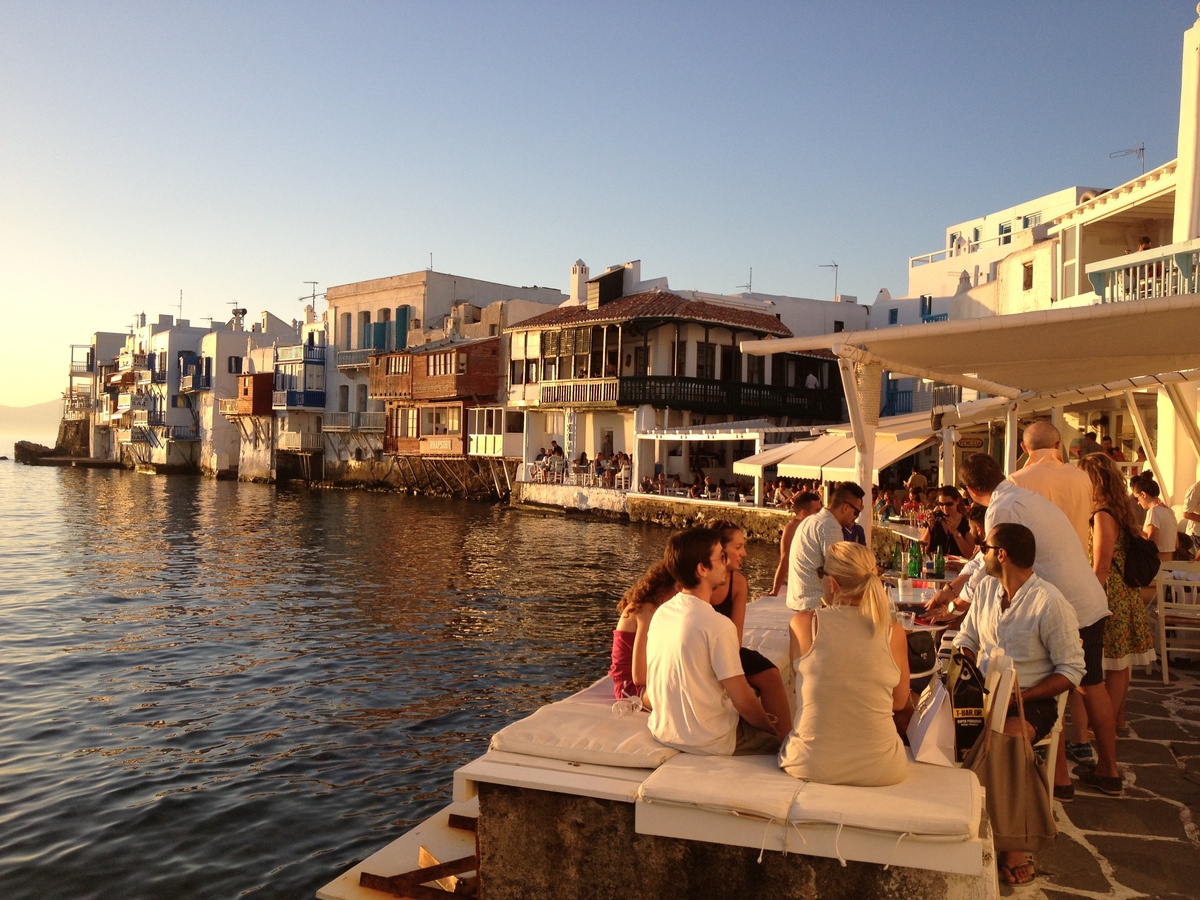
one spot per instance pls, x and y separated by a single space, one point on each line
887 452
756 464
808 458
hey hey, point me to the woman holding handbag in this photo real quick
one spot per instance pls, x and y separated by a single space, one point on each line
1128 640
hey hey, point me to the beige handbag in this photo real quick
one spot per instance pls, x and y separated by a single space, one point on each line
1018 800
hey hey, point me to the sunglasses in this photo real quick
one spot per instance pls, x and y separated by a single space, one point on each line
985 546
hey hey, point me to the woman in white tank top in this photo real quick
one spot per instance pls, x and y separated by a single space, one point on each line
851 663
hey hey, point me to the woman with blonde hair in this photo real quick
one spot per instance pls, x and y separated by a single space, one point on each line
851 663
1128 640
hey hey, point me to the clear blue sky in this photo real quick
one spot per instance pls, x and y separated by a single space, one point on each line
236 150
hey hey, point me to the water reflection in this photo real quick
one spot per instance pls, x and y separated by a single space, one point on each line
222 689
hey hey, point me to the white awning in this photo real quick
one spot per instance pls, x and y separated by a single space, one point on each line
887 451
754 465
1044 350
809 457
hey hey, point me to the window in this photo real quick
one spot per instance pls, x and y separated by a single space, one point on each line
893 316
926 305
531 371
361 393
1005 233
730 364
460 363
838 325
639 361
235 365
680 353
1031 220
1027 277
343 398
706 360
398 365
404 423
517 372
756 367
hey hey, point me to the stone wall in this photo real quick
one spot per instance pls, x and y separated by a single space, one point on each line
543 844
569 496
758 523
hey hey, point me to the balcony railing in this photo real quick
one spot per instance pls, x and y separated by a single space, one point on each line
705 395
79 367
588 392
298 400
301 441
367 422
354 359
301 353
1162 272
897 403
149 417
127 361
195 382
228 407
935 317
183 432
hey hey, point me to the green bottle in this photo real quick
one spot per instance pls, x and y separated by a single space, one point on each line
939 564
897 559
914 559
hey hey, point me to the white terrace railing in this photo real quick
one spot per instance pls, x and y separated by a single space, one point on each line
1162 272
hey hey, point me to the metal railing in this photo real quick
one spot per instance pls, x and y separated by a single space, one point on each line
80 368
301 353
302 441
195 382
935 317
1162 272
706 395
352 359
298 399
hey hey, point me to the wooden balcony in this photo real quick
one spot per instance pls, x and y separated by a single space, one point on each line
303 442
581 392
744 400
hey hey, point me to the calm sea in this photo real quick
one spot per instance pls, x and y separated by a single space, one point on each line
214 689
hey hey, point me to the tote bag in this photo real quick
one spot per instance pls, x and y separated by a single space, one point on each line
1018 801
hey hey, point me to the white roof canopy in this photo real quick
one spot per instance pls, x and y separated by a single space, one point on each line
1045 350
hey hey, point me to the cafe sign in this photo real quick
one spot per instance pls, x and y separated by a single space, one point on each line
969 443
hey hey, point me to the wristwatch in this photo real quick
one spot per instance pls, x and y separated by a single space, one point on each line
952 608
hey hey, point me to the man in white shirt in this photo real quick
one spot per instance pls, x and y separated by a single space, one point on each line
816 534
1028 618
1045 473
1191 512
701 700
1062 562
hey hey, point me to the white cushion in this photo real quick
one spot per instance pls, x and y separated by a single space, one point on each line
583 729
932 800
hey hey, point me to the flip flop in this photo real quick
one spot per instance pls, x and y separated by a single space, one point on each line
1009 873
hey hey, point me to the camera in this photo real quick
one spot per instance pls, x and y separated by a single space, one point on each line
938 516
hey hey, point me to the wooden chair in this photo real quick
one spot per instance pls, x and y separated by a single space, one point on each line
1177 606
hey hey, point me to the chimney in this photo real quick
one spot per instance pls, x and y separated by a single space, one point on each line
579 278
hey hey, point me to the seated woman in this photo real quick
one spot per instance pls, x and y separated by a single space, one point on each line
949 529
637 606
851 664
730 601
1160 525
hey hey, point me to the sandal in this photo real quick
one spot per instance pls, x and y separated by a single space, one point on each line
1008 874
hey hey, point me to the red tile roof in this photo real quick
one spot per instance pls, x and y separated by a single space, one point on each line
658 305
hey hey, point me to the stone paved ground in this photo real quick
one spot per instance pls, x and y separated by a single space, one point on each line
1147 843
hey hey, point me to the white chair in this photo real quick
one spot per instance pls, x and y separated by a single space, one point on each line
1177 606
623 479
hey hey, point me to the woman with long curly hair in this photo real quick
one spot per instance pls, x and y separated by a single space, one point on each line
636 609
1128 640
851 663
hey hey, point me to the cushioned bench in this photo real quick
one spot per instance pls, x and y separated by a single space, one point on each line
579 750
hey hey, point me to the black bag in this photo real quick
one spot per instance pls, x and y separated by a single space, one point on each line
1141 560
965 685
922 652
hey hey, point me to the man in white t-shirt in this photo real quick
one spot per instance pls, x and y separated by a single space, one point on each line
1191 512
813 537
701 700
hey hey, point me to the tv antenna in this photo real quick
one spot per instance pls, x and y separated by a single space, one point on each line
749 285
1139 151
179 314
831 265
312 298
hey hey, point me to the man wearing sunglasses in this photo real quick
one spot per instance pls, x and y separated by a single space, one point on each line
814 536
1029 619
1062 562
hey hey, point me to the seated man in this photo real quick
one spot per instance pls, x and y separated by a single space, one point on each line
1029 619
700 699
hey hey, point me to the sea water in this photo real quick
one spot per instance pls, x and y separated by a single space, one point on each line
215 689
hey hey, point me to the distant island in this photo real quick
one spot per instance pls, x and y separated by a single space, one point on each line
38 423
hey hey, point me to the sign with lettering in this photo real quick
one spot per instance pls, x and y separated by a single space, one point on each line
969 443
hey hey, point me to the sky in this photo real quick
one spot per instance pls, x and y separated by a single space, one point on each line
232 152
